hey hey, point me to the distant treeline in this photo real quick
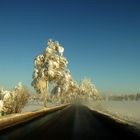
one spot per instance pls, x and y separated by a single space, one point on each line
123 97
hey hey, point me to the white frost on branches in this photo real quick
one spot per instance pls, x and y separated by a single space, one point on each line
51 67
88 90
13 101
48 66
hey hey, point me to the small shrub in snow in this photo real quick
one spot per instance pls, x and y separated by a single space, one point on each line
13 101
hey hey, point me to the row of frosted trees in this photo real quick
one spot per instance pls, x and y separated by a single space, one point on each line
50 70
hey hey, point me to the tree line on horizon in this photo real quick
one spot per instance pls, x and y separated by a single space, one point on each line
122 97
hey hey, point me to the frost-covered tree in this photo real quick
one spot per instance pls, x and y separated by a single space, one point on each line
49 67
88 90
66 89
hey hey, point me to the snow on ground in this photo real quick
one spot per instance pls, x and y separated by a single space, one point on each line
126 110
18 118
33 106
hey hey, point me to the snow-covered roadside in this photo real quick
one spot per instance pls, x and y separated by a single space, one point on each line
34 106
127 111
14 119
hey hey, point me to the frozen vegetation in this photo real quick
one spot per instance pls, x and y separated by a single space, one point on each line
13 101
50 70
53 83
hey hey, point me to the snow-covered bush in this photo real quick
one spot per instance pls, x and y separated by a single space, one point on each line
1 107
6 102
13 101
21 96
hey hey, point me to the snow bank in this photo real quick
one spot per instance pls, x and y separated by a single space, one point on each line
14 119
124 111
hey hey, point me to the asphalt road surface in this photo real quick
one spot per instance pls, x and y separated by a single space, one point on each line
75 122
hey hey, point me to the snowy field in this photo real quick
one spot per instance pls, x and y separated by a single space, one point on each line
34 106
126 110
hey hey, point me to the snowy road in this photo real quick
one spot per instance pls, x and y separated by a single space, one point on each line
72 123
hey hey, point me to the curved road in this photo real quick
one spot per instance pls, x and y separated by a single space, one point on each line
76 122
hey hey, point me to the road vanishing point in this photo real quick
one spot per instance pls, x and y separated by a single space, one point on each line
74 122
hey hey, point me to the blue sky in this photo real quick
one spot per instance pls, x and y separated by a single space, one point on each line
101 40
